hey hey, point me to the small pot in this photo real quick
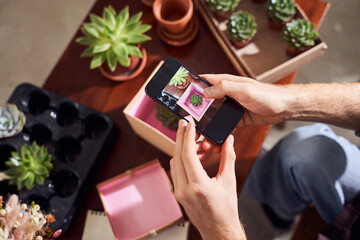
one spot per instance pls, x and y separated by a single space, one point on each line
148 3
183 85
278 25
239 44
294 52
173 15
125 73
222 15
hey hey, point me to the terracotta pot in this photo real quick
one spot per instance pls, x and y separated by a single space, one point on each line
294 52
239 44
183 85
173 15
148 3
125 73
278 26
222 15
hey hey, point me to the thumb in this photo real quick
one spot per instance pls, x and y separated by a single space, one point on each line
227 162
219 90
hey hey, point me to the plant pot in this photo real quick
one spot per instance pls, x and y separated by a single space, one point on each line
239 44
125 73
222 15
183 84
294 52
278 25
259 1
148 3
173 15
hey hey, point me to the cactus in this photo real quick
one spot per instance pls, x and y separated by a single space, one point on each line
223 5
179 77
30 166
12 120
113 38
241 26
167 118
280 11
196 100
299 34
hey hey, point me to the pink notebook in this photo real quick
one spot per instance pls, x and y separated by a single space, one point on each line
139 202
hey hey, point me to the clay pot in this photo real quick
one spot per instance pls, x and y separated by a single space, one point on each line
173 15
221 15
239 44
148 3
183 85
125 73
294 52
278 26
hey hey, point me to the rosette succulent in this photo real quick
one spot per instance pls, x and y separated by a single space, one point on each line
241 26
179 77
113 37
30 166
167 118
223 5
299 34
196 100
280 11
12 120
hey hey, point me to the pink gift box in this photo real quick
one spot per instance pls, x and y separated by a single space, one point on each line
139 202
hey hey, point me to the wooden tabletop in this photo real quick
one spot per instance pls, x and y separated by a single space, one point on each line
73 79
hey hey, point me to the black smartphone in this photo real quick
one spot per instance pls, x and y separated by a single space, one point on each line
180 90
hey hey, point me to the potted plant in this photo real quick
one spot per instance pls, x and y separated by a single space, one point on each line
279 12
115 39
30 166
196 100
299 35
223 8
179 79
12 120
241 28
167 118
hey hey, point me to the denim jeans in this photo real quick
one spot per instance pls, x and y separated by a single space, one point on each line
310 165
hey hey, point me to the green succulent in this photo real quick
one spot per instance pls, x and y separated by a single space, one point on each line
241 26
299 34
179 77
113 38
12 120
223 5
167 118
196 100
280 10
30 166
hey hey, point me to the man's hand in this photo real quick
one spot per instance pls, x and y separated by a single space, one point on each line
210 203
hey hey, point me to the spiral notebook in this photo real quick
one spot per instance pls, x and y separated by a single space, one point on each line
97 226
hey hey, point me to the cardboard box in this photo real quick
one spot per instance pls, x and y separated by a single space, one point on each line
264 59
141 114
139 202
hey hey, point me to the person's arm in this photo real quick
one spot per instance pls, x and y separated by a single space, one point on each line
333 103
210 203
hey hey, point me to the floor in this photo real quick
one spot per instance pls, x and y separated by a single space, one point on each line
35 33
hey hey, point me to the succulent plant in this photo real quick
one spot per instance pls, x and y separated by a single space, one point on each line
299 34
196 100
12 120
223 5
280 10
179 77
113 38
241 26
167 118
30 166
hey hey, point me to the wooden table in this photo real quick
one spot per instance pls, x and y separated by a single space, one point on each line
73 79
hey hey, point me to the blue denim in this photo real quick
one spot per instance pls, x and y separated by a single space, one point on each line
310 165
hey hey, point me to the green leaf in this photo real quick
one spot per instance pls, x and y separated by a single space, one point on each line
111 8
111 59
135 18
39 180
130 27
142 28
101 47
137 38
122 18
125 61
121 50
134 51
29 182
96 19
86 41
97 60
109 18
91 30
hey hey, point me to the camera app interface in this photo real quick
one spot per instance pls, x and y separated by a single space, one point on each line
184 95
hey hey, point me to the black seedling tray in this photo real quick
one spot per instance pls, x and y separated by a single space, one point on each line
76 137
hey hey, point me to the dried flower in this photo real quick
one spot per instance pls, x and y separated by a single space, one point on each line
39 238
57 233
37 208
2 212
50 218
23 206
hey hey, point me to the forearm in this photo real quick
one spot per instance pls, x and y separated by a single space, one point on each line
336 103
233 231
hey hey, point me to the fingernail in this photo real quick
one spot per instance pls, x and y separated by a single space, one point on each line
181 123
188 126
208 92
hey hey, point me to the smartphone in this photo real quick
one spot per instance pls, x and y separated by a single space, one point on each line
180 90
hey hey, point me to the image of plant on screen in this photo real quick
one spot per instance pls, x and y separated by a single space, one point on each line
179 80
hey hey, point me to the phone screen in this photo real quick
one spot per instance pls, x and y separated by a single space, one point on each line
180 90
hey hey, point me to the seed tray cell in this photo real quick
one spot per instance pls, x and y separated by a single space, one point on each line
75 135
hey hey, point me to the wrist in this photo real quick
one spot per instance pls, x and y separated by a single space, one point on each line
295 103
233 232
